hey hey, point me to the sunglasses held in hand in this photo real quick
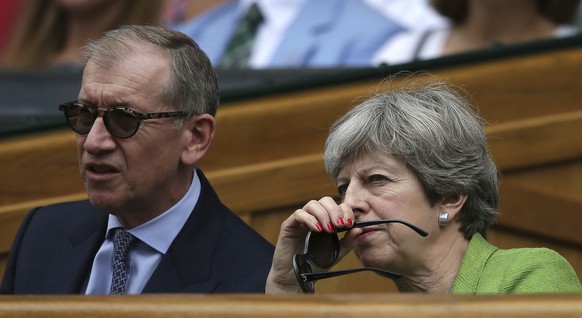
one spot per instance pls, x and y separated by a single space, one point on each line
120 122
322 251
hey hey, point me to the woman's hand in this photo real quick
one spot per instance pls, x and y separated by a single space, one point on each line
317 216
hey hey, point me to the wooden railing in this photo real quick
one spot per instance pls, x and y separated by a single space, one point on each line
266 160
256 306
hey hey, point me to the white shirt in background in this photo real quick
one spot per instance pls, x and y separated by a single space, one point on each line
411 14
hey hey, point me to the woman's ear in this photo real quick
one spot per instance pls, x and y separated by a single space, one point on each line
452 204
198 135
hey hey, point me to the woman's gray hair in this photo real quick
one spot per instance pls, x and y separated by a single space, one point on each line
435 132
193 87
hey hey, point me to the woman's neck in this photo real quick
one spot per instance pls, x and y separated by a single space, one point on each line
491 22
440 267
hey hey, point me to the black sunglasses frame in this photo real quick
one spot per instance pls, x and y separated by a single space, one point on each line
67 109
302 263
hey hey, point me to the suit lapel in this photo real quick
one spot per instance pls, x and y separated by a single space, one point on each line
315 18
188 264
74 255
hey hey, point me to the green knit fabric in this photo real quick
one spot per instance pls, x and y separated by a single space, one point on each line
487 269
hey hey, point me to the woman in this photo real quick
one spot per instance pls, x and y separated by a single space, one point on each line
482 24
419 155
53 32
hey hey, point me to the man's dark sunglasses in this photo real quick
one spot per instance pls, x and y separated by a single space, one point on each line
120 122
322 251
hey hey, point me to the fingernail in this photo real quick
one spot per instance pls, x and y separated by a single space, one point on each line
319 227
340 221
330 226
349 221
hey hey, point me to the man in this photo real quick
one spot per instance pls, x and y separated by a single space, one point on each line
144 118
295 34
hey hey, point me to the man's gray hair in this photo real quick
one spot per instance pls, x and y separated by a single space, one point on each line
193 87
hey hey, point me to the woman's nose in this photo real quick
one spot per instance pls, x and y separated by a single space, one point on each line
355 197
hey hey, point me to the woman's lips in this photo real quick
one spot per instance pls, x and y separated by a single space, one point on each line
366 232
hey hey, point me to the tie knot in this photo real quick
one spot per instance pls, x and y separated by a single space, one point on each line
254 16
121 238
239 47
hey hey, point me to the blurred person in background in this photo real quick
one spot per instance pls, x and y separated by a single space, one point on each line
292 33
482 24
180 11
53 32
411 14
8 12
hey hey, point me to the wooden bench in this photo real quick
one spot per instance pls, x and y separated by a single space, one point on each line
266 160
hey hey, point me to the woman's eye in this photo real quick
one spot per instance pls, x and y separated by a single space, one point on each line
377 178
341 190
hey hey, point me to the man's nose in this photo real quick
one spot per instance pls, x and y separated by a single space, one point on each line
99 139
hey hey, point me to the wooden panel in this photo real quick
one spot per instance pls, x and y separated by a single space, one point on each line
546 200
272 184
529 142
523 87
253 306
38 166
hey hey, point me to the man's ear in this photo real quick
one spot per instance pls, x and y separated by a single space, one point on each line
452 204
198 135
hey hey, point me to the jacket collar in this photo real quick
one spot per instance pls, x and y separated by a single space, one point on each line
478 253
74 257
188 264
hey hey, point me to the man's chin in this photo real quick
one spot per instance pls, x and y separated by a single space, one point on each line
106 203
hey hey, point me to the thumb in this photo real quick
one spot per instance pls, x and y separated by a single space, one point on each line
348 242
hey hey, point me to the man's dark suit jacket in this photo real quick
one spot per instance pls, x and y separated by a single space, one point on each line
215 252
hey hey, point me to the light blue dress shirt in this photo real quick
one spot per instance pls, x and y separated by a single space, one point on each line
155 238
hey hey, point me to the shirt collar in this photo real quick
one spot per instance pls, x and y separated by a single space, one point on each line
160 232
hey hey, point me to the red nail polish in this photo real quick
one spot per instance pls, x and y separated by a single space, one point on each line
340 221
349 221
330 226
319 227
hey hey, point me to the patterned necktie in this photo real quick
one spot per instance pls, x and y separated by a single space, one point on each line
121 242
239 48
